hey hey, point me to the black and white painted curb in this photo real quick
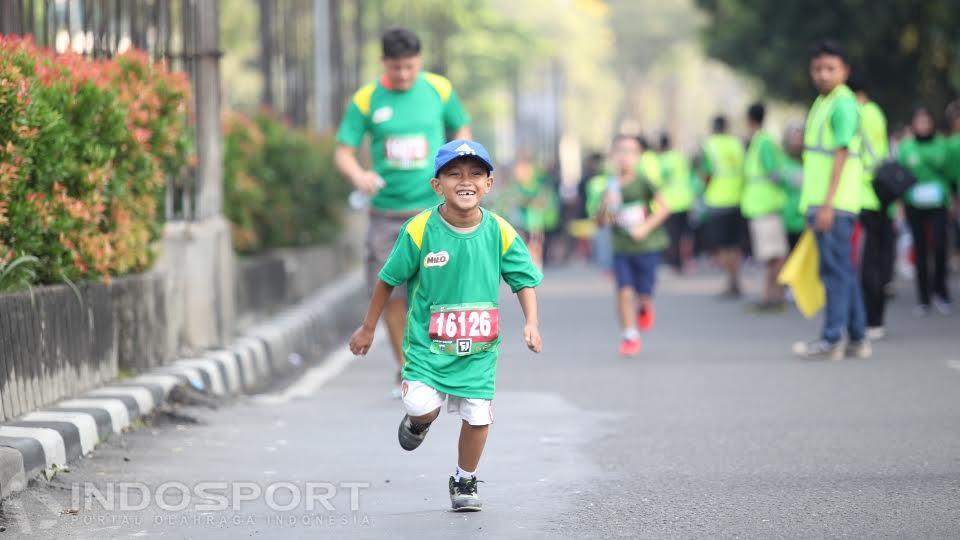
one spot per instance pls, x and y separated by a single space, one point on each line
52 437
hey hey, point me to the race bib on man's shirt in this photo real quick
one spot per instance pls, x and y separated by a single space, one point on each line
464 329
406 151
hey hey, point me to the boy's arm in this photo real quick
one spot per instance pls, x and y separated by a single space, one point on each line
531 328
363 337
655 220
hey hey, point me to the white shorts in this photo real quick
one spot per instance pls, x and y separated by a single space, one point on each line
769 238
420 399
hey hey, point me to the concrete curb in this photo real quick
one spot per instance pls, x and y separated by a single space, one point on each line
54 436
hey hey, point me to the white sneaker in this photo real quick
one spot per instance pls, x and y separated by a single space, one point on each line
942 306
875 333
819 350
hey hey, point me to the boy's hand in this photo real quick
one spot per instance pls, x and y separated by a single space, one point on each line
824 219
640 232
361 340
531 334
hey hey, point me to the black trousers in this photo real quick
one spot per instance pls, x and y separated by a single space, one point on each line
877 264
928 226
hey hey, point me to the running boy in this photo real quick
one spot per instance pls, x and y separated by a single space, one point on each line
452 257
635 207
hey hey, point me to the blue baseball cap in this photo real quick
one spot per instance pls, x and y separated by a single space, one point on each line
460 148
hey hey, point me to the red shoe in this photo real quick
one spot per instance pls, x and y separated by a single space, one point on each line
646 318
630 347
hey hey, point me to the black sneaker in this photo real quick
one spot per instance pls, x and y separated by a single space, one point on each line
463 495
411 435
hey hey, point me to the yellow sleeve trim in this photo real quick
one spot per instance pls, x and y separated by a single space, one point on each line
507 233
362 98
441 84
416 226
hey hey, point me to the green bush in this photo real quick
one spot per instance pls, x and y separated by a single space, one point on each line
86 146
281 186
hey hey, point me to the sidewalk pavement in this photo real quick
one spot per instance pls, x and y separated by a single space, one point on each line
48 439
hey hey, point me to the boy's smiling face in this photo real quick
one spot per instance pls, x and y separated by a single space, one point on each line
463 182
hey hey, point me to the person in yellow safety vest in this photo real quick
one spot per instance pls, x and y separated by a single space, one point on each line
831 198
722 172
649 164
762 205
678 191
878 247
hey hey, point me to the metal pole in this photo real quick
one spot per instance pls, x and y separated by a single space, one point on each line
209 192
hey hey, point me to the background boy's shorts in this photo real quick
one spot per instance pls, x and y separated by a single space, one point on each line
382 234
420 399
769 238
724 228
637 270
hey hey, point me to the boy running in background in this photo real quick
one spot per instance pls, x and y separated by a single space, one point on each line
452 257
638 240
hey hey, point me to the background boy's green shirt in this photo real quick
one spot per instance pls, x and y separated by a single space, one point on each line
790 176
762 194
873 125
723 163
677 188
927 160
639 192
406 129
475 264
953 161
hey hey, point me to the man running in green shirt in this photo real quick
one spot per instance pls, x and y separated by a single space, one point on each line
831 197
722 170
878 247
762 204
408 114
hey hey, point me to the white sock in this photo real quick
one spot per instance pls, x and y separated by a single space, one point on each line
631 334
463 474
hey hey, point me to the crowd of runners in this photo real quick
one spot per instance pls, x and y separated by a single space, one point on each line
436 254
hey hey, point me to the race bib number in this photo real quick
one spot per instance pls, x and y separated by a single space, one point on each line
406 151
464 329
631 215
927 195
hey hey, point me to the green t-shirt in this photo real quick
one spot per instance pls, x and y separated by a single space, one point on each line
637 199
406 129
678 190
790 176
953 161
762 194
844 120
927 160
452 339
873 125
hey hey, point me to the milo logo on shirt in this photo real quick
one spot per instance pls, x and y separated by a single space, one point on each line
436 259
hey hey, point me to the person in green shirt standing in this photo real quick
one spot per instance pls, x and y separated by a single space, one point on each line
633 205
722 171
831 198
925 154
790 176
408 114
679 192
762 205
879 240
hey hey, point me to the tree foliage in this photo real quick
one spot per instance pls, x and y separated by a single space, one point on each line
907 51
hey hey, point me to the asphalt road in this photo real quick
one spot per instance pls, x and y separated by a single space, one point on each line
714 431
